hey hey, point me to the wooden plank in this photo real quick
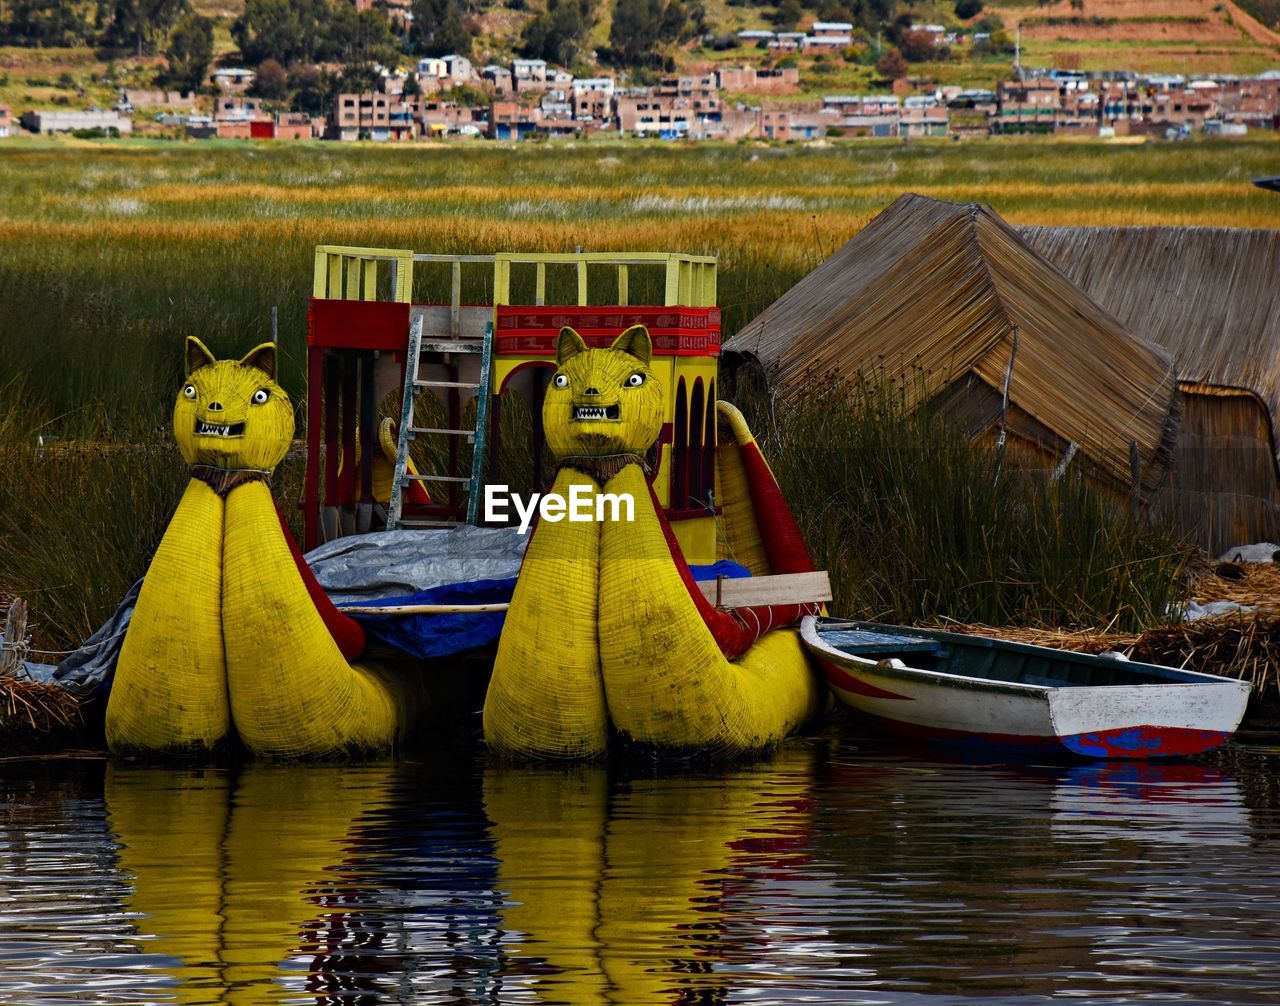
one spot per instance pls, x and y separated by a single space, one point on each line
455 299
422 609
351 268
15 637
755 591
320 276
402 278
671 295
334 291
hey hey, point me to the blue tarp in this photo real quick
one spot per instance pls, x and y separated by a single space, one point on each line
431 636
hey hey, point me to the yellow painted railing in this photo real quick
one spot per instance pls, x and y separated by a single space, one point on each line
347 273
690 280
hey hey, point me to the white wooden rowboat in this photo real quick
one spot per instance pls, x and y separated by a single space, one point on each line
971 690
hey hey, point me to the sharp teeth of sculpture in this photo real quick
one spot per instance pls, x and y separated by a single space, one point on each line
204 429
588 412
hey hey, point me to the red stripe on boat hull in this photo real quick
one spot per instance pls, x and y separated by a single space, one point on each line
838 677
1123 742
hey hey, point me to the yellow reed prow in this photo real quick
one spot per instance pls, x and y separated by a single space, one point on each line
603 642
225 641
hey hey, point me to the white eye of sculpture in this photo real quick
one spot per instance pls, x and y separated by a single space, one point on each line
260 396
189 391
560 380
635 380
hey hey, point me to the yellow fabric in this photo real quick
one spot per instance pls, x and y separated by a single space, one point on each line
293 695
170 689
666 682
225 635
229 873
546 697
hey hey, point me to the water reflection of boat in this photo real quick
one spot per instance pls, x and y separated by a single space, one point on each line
1150 802
626 893
230 875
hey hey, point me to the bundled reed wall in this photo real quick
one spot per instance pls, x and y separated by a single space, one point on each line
1210 296
930 294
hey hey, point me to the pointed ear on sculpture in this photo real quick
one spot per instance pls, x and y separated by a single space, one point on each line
635 341
197 355
569 345
263 357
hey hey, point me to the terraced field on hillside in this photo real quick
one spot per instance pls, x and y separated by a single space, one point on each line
1177 36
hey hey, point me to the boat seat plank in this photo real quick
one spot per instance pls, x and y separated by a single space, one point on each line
862 642
758 591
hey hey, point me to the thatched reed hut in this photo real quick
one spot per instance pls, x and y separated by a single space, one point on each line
1210 296
930 294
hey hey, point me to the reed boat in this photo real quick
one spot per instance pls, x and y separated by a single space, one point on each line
945 687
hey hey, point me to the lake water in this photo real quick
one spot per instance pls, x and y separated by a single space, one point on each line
836 872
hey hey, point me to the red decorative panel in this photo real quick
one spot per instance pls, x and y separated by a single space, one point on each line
676 331
357 324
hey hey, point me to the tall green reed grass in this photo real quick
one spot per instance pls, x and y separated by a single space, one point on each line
917 522
78 526
111 254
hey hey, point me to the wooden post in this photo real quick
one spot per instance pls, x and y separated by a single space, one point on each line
1135 471
15 638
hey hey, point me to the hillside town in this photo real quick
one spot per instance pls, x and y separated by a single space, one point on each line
447 96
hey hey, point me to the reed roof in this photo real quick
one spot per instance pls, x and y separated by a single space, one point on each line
930 292
1208 295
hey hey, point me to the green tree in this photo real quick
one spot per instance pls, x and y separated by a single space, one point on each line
787 15
634 32
439 28
284 30
143 22
43 22
965 9
640 25
313 89
358 36
837 10
559 33
190 52
359 78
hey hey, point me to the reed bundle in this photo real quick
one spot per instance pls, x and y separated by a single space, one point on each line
1244 645
1254 584
28 708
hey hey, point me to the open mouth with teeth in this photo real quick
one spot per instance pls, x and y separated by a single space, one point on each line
581 412
204 429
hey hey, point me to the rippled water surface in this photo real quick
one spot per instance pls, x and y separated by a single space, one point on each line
836 872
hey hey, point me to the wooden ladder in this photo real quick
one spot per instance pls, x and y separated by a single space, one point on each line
441 351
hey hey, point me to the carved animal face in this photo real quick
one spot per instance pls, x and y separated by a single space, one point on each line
232 413
602 401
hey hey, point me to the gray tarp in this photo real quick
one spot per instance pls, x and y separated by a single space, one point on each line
355 568
391 563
